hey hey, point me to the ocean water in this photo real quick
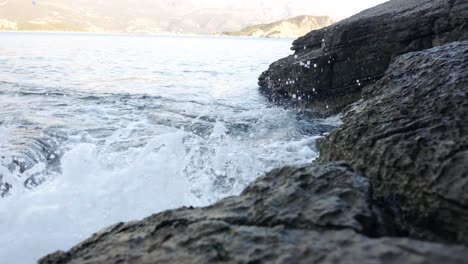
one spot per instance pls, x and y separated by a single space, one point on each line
97 129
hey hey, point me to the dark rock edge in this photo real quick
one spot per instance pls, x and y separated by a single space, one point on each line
331 66
400 197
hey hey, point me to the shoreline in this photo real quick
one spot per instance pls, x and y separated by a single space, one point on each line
137 34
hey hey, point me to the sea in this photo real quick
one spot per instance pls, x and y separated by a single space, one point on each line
99 129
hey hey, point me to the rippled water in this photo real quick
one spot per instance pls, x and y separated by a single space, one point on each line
96 129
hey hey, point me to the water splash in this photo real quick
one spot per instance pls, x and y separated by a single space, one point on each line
109 142
97 188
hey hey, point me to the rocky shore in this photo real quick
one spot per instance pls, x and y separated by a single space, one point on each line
331 66
391 184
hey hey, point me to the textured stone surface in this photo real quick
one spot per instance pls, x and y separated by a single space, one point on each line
311 214
332 65
409 134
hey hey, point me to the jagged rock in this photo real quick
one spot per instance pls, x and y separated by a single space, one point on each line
309 214
332 65
409 134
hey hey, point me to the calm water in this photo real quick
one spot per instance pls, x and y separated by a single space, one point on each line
96 129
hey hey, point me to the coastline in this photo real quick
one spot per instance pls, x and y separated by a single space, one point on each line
104 33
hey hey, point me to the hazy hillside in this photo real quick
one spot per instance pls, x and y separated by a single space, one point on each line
290 28
141 16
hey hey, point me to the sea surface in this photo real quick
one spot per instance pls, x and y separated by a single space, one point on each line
97 129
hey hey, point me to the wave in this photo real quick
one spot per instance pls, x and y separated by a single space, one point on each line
98 185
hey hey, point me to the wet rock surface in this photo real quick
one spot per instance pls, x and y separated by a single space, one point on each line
331 66
310 214
409 135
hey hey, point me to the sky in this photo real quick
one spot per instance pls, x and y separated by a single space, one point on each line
169 16
337 9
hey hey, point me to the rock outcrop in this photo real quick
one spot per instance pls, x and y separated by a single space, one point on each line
310 214
331 66
289 28
409 135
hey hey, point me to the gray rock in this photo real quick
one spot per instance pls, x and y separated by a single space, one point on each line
310 214
342 59
409 134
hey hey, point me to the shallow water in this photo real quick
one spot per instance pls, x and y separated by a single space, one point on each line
96 129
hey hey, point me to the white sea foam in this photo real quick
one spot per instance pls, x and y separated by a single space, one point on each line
96 189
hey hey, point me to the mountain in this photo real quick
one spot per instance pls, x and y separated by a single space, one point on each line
290 28
142 16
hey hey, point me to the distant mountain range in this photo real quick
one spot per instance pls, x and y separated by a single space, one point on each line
289 28
202 17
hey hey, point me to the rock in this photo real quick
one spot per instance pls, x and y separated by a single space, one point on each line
409 135
309 214
331 66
